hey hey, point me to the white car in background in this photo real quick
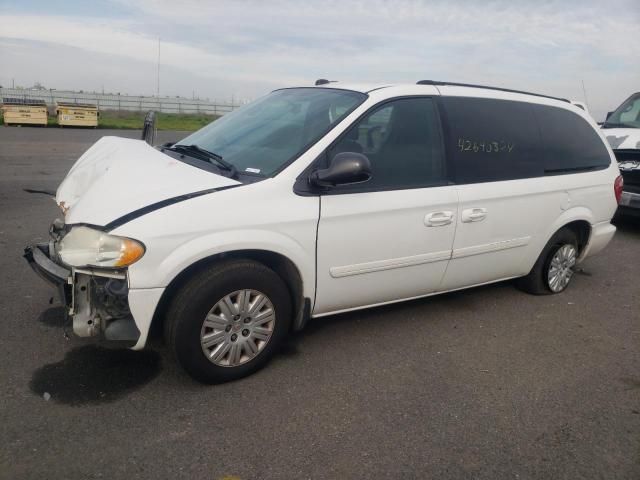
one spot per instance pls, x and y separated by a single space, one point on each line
318 200
622 130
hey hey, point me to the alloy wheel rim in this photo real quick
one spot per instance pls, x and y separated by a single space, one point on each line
237 328
561 268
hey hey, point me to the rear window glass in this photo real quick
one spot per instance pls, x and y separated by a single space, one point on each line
571 144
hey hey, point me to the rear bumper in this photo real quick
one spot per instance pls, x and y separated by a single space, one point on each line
601 235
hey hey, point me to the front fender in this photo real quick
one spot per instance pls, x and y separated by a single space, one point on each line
168 262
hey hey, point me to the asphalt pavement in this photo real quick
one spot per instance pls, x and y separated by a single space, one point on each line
488 383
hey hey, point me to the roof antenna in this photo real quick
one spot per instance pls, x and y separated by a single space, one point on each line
324 81
584 91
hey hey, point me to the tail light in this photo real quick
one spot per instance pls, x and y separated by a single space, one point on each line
617 188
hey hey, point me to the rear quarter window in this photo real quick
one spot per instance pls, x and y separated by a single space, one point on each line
571 143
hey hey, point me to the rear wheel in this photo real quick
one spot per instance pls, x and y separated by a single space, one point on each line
560 269
553 270
228 321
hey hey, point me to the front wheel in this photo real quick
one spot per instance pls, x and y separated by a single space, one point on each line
553 270
228 321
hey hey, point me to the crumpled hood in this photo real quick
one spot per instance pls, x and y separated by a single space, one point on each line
623 138
117 176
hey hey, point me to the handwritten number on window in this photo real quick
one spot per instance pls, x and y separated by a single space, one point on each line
492 146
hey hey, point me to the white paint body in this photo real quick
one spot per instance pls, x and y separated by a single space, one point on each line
119 175
370 248
623 138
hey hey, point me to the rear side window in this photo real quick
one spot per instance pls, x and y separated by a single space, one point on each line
492 140
402 140
571 144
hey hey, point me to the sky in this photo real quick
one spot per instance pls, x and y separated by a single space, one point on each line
242 49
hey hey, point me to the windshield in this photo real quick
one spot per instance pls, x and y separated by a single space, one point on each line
264 136
627 114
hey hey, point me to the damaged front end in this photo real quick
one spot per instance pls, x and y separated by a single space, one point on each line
95 299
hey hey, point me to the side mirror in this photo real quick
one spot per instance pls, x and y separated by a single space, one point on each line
608 115
346 168
149 128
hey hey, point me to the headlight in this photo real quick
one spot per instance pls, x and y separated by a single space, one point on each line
88 247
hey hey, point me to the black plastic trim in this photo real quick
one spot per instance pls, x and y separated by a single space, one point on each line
122 330
626 211
69 226
446 138
570 170
38 257
118 222
633 154
379 88
301 320
486 87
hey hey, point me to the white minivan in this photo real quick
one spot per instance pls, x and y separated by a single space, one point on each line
317 200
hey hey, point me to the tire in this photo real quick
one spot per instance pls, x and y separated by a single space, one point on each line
203 297
537 282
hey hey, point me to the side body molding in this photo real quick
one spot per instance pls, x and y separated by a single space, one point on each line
377 266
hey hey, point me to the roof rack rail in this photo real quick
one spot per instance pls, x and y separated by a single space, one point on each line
453 84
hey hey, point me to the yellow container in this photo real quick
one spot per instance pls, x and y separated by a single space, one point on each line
77 114
24 112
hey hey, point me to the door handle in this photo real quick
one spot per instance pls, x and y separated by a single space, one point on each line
474 215
438 219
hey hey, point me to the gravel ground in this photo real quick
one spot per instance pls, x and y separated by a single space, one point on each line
488 383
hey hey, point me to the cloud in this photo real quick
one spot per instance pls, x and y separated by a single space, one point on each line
246 47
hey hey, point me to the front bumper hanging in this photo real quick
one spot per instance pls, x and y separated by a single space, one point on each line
39 259
95 300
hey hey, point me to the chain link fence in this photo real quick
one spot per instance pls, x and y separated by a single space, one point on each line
109 101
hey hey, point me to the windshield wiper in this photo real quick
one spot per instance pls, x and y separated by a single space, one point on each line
207 155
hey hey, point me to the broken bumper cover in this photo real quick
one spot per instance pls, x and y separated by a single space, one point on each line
39 260
95 300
